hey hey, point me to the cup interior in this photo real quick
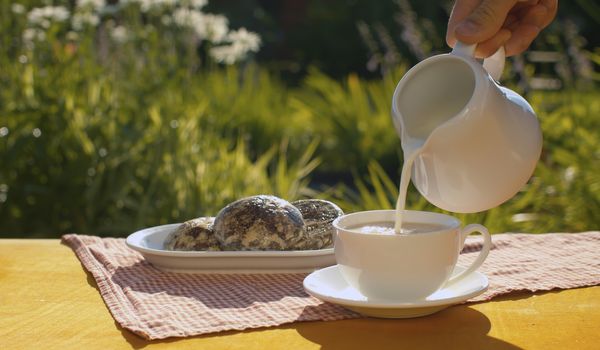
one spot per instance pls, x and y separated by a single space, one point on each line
433 92
346 222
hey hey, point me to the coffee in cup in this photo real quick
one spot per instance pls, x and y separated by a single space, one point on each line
388 227
402 267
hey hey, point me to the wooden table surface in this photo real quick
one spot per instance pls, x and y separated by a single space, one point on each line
48 301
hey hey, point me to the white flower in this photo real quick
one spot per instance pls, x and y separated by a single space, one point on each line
227 54
147 5
570 174
31 35
81 20
119 34
242 42
187 18
215 28
45 23
17 9
197 4
248 41
39 15
205 26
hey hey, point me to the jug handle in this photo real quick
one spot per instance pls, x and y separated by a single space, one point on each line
494 64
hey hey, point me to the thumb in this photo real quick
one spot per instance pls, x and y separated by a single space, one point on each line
484 22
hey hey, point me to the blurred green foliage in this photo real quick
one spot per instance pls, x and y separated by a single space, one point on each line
84 153
105 138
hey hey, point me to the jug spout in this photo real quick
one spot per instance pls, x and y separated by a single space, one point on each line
431 95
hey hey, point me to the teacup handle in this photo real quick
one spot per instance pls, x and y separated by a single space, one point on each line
487 244
493 64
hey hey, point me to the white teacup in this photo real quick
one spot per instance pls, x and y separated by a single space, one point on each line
403 267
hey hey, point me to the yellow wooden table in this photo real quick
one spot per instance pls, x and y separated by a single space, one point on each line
48 301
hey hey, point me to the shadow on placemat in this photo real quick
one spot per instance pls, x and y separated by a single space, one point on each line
247 289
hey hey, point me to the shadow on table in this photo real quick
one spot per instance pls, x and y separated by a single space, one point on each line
458 327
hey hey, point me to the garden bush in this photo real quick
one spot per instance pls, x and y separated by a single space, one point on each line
106 136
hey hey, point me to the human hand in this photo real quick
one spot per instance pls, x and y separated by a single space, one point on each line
494 23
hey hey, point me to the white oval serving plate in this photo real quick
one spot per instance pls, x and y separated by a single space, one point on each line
149 242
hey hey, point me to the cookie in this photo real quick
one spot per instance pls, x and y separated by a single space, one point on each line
259 223
318 215
196 234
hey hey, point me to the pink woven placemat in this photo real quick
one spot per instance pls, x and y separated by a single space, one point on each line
156 305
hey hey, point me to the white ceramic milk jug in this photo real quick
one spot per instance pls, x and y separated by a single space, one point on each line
479 142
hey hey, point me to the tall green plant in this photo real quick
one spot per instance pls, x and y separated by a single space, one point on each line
352 117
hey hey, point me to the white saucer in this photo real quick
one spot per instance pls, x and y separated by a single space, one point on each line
329 285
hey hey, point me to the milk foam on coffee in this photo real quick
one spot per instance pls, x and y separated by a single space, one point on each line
387 227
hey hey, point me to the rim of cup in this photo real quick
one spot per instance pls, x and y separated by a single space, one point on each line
447 221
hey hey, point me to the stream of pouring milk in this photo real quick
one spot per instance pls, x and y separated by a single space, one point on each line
409 159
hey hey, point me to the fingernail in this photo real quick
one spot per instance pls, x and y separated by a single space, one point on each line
467 28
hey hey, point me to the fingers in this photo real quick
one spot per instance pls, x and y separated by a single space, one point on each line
521 38
536 15
489 47
484 22
531 21
494 23
551 7
461 10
